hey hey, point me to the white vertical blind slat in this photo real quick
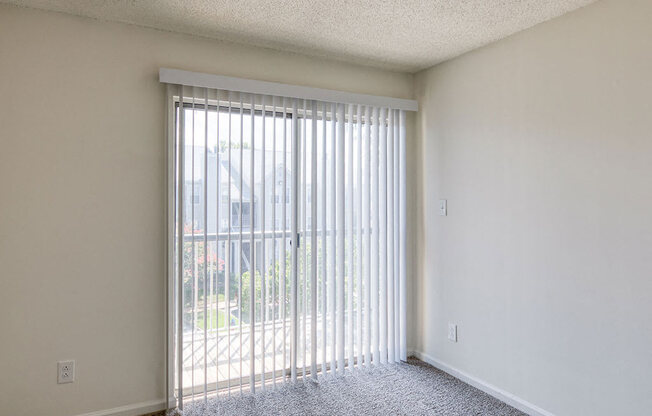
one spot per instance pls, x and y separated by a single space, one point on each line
390 236
218 195
252 252
180 247
333 253
402 248
340 230
240 246
275 301
375 314
313 243
193 259
358 245
263 242
303 244
284 242
367 230
349 237
324 260
294 220
397 232
205 248
228 266
172 215
382 235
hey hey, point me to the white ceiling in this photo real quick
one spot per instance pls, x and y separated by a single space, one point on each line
402 35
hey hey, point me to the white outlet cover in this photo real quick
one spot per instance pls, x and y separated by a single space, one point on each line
452 332
65 371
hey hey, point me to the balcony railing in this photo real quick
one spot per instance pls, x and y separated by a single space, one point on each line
226 344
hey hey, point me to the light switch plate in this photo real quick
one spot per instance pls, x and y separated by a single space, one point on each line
443 207
452 332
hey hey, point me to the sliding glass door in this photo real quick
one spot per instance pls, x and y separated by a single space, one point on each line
285 239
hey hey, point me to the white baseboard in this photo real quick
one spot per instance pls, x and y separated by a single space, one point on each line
136 409
502 395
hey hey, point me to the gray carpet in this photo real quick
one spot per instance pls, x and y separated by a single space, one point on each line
412 388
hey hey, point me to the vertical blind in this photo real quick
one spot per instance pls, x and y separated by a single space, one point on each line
287 242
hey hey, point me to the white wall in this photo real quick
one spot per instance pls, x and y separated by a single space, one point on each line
542 144
82 198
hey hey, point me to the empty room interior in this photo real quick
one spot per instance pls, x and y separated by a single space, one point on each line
293 207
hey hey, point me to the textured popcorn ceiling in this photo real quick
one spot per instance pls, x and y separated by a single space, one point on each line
403 35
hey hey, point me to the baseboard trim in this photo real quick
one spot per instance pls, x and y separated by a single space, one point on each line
136 409
502 395
142 408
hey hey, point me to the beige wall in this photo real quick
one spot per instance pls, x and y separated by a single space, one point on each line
82 198
542 144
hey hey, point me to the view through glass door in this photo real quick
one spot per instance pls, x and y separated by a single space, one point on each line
236 197
286 249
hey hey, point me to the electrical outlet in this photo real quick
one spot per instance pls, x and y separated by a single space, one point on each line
66 371
452 332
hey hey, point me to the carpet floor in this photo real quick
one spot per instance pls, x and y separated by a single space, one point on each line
412 388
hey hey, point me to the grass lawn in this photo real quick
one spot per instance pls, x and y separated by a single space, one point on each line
216 319
220 297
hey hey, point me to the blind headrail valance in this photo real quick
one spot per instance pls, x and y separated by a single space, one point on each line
203 80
